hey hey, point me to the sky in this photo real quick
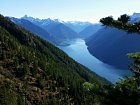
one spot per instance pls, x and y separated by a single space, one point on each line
69 10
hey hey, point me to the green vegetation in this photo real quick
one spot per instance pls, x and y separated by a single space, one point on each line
126 91
121 23
34 72
124 18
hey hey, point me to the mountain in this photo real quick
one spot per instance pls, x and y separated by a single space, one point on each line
55 27
135 17
61 32
34 72
34 29
41 22
77 26
90 30
112 45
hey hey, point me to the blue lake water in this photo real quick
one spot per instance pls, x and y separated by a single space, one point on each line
77 50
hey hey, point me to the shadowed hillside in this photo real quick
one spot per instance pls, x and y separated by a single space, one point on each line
114 41
34 72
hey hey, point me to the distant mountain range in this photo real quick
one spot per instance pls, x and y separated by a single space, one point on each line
90 30
34 72
77 26
34 29
55 30
112 45
51 30
135 17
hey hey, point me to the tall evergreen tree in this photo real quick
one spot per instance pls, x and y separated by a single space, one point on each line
124 18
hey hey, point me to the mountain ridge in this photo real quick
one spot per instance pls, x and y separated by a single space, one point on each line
89 30
59 33
114 41
34 72
77 26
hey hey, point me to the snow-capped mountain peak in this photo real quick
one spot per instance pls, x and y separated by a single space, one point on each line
75 25
30 18
135 15
78 23
43 22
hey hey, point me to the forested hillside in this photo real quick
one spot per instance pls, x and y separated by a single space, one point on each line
34 72
112 42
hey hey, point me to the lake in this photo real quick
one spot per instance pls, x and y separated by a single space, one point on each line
77 50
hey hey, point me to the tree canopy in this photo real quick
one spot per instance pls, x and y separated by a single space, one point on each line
107 20
124 18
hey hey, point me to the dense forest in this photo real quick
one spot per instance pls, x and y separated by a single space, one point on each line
34 72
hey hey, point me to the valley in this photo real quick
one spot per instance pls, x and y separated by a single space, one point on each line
93 67
96 43
69 52
77 49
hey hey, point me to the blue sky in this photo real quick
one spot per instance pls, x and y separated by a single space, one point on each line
69 10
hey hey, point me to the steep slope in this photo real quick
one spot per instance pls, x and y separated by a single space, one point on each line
34 72
90 30
34 29
61 32
56 28
111 46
